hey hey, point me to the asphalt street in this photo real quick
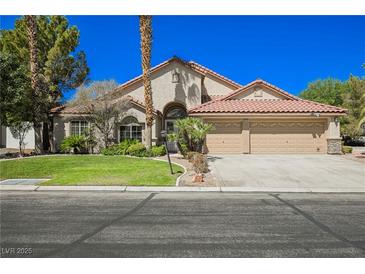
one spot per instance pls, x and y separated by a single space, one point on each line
111 224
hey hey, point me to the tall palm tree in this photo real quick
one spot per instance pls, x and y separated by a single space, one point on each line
145 28
35 80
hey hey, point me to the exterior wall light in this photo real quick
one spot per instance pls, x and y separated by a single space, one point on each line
175 77
315 114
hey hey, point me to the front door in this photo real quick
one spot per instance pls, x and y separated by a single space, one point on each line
171 128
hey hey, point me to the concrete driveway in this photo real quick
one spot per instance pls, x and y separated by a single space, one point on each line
287 171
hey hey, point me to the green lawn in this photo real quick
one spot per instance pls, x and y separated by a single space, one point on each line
91 170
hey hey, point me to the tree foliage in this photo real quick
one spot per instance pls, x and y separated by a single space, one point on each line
104 112
60 65
348 94
354 101
328 91
15 91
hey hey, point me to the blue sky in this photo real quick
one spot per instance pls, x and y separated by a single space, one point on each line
288 51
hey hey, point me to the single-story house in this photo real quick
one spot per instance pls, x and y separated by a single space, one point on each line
254 118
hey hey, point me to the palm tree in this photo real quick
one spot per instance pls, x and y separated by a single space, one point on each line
145 28
35 80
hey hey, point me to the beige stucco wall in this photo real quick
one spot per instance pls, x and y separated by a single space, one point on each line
187 91
333 128
214 86
266 94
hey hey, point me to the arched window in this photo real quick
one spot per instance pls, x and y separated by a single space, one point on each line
130 129
172 114
176 113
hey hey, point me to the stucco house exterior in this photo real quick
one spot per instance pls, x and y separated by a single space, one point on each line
254 118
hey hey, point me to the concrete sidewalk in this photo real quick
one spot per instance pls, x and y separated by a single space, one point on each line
183 189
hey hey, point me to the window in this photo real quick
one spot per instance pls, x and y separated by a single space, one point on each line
176 113
79 127
130 130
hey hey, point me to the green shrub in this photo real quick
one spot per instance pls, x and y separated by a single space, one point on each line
112 150
74 144
137 149
124 145
158 151
346 149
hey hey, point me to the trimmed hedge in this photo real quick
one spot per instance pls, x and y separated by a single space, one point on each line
133 148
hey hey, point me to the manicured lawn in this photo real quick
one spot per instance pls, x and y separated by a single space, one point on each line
91 170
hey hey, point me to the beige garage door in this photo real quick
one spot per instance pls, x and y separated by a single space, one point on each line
287 137
225 138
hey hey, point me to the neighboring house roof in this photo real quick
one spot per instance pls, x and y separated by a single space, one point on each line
191 64
291 103
80 109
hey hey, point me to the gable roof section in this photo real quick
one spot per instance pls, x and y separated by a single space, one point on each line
264 83
204 70
79 109
192 65
291 103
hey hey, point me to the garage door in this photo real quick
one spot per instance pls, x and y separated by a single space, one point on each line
225 138
287 137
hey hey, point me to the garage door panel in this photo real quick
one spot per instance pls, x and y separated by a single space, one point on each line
287 137
225 137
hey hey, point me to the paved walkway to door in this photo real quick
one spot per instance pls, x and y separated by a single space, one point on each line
287 171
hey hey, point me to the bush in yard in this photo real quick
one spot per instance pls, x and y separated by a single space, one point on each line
346 149
200 163
74 144
111 150
124 145
138 150
158 151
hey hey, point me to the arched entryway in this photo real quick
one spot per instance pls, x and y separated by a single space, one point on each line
173 112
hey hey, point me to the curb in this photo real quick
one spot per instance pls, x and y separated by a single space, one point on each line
179 189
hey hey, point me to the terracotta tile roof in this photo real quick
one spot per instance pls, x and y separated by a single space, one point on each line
265 106
191 64
66 109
